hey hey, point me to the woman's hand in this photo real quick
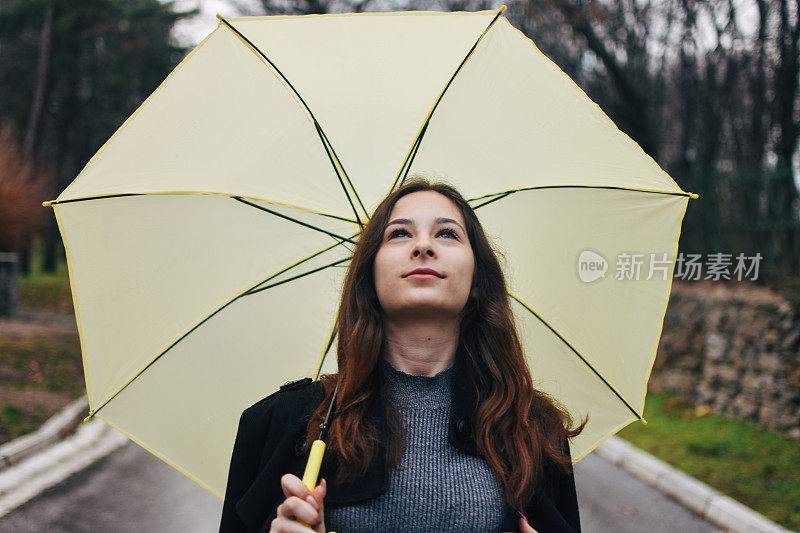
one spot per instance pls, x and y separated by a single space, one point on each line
300 505
524 526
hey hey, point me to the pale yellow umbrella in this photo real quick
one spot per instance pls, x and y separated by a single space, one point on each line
207 239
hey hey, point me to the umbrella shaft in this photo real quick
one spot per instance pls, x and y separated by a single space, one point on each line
313 466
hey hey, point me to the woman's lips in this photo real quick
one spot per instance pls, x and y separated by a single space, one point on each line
423 273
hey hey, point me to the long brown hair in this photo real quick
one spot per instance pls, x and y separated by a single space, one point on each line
518 427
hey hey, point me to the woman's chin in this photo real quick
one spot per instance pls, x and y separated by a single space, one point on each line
425 309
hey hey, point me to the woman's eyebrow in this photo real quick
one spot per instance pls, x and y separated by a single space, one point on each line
438 220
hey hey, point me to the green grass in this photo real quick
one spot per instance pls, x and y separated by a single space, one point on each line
49 362
759 468
47 291
40 372
15 421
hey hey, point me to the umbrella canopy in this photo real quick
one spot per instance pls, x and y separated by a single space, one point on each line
207 240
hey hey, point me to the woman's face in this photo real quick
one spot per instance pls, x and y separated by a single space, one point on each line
425 231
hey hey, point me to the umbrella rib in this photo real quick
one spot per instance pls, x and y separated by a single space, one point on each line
499 197
331 155
192 193
287 280
251 290
543 321
503 194
407 163
412 151
327 349
349 248
220 308
323 138
304 224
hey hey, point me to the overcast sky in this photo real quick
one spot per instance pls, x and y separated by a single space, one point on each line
192 30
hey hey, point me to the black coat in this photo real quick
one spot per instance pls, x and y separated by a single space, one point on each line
269 443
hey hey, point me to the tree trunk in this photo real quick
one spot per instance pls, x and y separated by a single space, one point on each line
37 104
785 98
52 249
636 112
34 118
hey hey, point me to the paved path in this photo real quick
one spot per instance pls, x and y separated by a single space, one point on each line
611 500
133 491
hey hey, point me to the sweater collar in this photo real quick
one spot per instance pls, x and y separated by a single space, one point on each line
416 391
460 433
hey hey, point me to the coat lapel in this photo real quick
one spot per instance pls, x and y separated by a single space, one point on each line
463 409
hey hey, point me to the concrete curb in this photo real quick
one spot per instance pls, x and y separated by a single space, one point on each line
51 431
695 495
32 466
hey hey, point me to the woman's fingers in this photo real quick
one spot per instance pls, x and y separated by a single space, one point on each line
294 486
301 505
293 508
524 526
284 525
319 492
318 496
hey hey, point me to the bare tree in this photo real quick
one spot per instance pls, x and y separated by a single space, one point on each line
715 105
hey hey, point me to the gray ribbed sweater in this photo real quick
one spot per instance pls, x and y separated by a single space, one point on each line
436 486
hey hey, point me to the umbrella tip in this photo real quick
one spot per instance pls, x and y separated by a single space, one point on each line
220 17
693 195
503 8
46 204
88 417
643 421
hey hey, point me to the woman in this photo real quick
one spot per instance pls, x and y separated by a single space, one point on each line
436 425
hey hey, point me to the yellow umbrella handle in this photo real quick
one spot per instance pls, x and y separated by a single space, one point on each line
313 464
318 450
312 467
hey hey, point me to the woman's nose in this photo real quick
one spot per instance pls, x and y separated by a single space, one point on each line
418 251
423 246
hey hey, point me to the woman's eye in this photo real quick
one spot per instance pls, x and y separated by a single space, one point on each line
444 231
